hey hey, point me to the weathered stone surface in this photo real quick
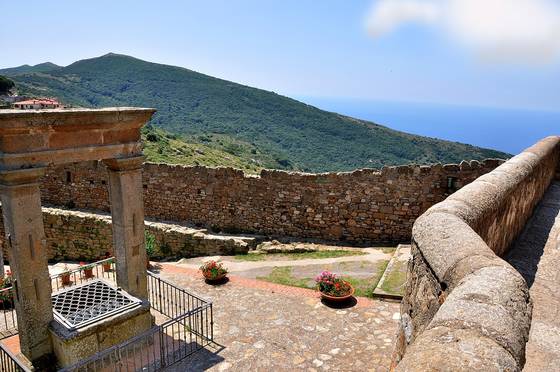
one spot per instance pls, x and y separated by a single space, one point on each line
44 137
448 349
86 236
21 211
127 212
536 255
361 207
435 233
494 301
73 346
465 308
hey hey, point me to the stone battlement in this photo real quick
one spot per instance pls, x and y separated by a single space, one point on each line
361 207
465 308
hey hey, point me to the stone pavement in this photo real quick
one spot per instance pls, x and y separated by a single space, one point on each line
536 255
262 326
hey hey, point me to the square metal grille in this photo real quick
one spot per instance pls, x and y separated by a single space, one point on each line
87 303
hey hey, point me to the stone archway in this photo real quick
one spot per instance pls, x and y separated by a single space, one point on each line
33 140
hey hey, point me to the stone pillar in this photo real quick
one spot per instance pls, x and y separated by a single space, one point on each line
127 210
27 252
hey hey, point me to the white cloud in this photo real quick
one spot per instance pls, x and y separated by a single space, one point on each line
386 16
508 30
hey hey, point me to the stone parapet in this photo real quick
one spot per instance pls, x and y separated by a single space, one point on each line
465 308
85 236
361 207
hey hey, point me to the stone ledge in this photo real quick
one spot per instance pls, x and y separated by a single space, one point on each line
447 349
466 308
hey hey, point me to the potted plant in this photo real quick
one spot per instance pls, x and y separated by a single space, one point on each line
87 269
6 293
333 288
213 271
107 264
65 275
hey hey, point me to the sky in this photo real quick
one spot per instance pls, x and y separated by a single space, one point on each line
494 53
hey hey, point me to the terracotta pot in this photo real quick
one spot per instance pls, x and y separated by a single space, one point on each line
209 279
88 273
338 299
65 278
106 266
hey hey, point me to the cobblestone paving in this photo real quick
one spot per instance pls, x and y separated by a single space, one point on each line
262 326
536 255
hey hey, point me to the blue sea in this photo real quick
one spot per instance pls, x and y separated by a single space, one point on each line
509 130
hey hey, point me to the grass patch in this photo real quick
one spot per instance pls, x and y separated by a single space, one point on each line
283 275
395 279
364 286
298 256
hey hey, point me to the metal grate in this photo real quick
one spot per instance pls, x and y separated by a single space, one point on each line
85 304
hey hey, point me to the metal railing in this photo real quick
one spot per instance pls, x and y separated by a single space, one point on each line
9 363
104 269
8 319
189 328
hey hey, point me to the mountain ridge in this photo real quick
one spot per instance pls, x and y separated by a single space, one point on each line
276 131
27 69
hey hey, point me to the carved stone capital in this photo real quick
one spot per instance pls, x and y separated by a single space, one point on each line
124 164
21 177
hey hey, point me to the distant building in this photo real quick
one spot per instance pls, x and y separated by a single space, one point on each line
36 104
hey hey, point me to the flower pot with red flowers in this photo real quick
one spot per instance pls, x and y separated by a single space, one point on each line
333 288
213 271
6 292
65 276
87 270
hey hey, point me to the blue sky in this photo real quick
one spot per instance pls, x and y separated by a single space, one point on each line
293 47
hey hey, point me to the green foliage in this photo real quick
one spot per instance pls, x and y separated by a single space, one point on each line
26 69
5 84
262 127
163 147
150 242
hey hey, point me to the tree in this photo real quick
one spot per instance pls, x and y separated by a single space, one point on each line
5 84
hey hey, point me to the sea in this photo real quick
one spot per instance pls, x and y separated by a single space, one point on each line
504 129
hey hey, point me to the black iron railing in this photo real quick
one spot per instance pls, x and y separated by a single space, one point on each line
104 269
8 319
9 363
189 328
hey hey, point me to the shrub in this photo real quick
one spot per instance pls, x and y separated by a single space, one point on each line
150 242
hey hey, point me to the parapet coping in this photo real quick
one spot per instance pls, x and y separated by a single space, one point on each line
386 170
484 300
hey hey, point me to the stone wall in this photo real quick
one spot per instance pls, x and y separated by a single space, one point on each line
465 308
78 235
360 207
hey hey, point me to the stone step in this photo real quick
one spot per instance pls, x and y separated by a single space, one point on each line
394 275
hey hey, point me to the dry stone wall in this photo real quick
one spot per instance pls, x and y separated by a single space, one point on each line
365 206
79 235
465 308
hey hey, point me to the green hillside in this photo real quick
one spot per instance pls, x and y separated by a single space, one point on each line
27 69
276 131
161 146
